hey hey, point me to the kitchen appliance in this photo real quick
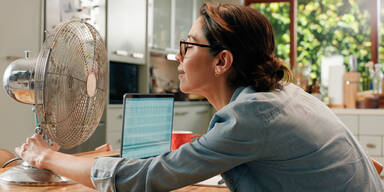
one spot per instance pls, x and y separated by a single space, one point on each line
67 86
124 78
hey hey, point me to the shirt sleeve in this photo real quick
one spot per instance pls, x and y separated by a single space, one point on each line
230 142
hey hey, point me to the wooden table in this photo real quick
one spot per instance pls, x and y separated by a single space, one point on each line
81 188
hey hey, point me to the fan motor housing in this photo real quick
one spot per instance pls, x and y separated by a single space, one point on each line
18 80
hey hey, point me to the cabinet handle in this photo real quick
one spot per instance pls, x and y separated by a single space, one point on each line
180 113
125 53
202 112
370 145
137 55
121 53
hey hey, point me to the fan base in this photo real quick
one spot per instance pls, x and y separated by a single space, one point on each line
30 176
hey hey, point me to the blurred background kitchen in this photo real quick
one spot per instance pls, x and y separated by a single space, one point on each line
334 47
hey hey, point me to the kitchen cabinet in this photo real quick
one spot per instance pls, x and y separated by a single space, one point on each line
170 21
351 121
127 44
159 23
114 125
127 31
372 145
367 125
191 116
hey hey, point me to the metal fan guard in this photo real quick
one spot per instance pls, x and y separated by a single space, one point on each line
68 115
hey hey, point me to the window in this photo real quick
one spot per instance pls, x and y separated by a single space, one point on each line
326 27
281 13
278 14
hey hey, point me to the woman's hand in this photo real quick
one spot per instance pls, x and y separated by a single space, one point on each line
35 150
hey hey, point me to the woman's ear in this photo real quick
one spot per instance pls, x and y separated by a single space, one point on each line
225 60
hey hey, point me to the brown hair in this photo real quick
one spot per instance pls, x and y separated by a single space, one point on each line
250 38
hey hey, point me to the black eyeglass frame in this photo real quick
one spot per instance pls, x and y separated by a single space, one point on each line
182 54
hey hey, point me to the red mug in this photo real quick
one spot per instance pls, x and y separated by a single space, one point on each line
181 137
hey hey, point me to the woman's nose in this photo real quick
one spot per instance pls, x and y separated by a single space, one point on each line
180 68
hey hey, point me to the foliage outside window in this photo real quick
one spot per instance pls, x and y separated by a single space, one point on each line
324 28
278 15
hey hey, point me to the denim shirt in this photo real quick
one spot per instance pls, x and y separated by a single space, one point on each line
284 140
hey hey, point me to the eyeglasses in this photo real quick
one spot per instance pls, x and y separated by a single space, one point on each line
184 46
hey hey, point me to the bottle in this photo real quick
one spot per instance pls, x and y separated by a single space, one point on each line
377 79
315 89
366 78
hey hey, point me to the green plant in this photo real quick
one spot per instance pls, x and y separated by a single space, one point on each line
324 27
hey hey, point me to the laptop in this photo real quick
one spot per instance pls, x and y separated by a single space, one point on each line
147 125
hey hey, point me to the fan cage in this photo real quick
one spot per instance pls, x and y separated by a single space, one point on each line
67 115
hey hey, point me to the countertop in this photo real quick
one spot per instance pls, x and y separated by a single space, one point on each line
359 111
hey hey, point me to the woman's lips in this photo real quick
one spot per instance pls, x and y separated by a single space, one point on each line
181 76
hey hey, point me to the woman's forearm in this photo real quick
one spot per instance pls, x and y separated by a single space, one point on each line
75 168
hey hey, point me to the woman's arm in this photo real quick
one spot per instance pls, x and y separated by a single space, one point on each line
39 154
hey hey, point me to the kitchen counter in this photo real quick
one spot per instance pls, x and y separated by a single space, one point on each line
359 111
367 127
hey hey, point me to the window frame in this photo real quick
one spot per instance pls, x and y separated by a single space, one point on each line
374 17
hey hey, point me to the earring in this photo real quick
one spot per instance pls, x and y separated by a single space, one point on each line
217 73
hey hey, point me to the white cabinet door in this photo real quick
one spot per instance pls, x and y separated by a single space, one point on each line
183 20
352 122
114 118
371 144
127 30
159 27
114 138
371 125
193 118
114 125
170 21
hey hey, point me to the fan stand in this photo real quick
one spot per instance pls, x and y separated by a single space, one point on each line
24 174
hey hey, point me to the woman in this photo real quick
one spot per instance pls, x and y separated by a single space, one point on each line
267 134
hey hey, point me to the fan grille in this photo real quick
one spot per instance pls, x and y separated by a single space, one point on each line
67 114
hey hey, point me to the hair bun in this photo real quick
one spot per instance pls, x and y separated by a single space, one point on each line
280 73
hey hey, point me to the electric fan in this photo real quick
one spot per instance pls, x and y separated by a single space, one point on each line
67 86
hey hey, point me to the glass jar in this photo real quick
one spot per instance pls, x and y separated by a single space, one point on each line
377 79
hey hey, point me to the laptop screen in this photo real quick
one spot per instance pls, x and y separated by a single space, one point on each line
147 125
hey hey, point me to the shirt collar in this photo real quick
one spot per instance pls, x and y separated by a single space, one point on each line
236 93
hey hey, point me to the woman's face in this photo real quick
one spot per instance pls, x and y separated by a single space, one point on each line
197 66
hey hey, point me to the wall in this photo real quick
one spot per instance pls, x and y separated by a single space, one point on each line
20 23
